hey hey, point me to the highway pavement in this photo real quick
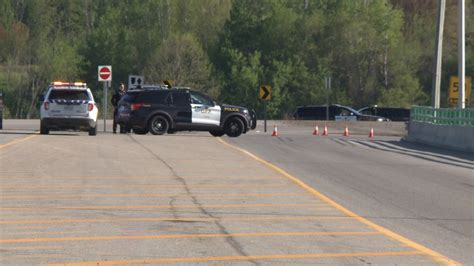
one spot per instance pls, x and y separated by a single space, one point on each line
189 198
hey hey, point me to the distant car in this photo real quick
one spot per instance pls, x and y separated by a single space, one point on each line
392 113
159 110
68 106
337 112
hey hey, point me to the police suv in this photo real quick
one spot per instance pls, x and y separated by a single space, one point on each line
159 110
68 106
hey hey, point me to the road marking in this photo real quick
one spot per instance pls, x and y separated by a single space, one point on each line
191 219
69 178
242 258
16 141
97 238
431 253
151 186
223 206
31 248
69 196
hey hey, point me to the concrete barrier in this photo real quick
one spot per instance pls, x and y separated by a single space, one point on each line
451 137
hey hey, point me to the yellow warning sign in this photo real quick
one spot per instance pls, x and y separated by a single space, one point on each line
265 92
454 90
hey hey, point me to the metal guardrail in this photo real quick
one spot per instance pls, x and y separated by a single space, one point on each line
443 116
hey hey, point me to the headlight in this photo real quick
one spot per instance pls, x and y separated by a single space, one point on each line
246 111
379 119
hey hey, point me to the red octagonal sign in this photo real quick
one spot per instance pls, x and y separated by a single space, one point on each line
105 73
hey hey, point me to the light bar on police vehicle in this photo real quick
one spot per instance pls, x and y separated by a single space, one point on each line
69 84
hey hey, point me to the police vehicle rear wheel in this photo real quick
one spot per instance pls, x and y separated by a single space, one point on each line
158 125
234 127
217 133
93 131
140 131
43 130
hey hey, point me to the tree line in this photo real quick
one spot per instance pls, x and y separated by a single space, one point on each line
375 51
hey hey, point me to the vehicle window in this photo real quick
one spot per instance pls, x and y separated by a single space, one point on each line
153 97
199 98
181 99
367 112
344 112
129 97
69 95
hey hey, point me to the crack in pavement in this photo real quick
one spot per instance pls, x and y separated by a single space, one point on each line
230 240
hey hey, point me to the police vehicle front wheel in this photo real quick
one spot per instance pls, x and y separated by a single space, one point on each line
234 127
158 125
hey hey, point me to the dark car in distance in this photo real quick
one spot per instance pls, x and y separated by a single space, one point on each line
159 110
392 113
336 112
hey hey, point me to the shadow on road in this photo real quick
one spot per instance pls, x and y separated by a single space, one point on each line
419 151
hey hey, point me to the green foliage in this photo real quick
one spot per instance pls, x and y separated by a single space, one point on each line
180 58
376 51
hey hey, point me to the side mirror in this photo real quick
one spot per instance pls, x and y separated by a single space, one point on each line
41 97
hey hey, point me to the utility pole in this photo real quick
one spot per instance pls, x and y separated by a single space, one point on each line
327 82
461 54
436 85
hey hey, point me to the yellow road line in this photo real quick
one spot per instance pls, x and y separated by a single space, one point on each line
433 254
191 219
97 238
69 196
199 178
242 258
16 141
150 186
222 206
31 248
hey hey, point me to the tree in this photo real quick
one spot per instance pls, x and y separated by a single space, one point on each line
180 58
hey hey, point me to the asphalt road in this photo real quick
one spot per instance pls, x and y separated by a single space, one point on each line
71 199
421 192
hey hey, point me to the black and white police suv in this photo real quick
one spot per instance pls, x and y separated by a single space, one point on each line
160 110
68 106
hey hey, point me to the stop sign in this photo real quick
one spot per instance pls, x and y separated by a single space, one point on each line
105 73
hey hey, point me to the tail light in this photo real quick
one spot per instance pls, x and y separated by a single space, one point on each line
46 105
90 107
136 106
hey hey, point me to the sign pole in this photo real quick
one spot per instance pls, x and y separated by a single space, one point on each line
105 104
461 54
104 74
265 116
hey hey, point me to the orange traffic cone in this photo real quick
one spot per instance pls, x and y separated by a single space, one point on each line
346 132
316 131
371 133
275 131
325 132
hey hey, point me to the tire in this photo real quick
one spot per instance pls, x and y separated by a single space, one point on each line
158 125
253 115
217 133
234 127
140 131
43 129
93 131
